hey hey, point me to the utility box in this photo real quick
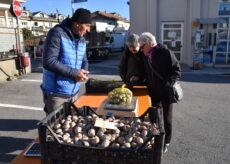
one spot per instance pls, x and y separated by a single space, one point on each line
25 59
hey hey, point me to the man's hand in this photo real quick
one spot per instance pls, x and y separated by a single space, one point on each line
81 75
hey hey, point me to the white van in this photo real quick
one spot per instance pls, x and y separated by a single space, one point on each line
116 42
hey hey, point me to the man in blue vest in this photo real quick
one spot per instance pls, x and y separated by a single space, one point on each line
64 60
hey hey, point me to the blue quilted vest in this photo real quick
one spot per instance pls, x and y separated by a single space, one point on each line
71 55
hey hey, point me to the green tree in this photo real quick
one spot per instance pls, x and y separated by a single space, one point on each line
27 34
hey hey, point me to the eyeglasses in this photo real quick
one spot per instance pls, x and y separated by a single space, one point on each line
142 47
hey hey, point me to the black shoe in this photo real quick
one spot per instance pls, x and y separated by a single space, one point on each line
166 146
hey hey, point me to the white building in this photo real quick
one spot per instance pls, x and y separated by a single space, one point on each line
41 22
38 22
196 30
8 27
109 22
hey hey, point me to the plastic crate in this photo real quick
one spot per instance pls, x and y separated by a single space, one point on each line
55 152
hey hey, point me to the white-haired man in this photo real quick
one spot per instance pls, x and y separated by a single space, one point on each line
158 58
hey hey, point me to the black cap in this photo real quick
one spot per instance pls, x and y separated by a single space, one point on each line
81 16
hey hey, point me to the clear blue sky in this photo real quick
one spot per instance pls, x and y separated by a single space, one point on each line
64 6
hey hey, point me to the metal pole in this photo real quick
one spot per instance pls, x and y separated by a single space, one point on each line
19 49
57 15
33 29
16 40
72 5
19 40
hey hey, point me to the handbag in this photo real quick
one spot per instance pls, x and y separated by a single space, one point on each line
178 92
177 89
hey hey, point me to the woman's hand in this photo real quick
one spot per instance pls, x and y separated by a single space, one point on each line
134 79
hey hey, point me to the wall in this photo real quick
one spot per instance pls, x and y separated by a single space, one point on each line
108 21
9 67
8 39
148 15
172 10
209 8
123 24
138 16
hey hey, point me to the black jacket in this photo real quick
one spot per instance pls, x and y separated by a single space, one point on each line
131 65
165 63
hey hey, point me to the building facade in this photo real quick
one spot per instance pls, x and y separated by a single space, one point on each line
8 27
111 22
41 23
196 30
37 22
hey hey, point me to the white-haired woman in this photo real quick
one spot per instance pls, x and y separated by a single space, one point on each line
158 58
131 66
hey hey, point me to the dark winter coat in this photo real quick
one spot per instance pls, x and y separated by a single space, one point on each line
165 63
131 65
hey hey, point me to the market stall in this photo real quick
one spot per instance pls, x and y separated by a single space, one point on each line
93 101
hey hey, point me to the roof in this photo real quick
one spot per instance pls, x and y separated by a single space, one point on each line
211 21
109 15
34 13
49 18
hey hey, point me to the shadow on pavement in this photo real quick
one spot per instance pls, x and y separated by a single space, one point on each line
200 78
110 67
17 125
36 65
102 70
10 145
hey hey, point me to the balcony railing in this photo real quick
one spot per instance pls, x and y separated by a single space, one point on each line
41 28
7 55
10 25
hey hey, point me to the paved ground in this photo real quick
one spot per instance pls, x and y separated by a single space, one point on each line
37 67
200 126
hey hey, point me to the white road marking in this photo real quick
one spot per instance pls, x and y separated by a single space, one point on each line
20 106
30 80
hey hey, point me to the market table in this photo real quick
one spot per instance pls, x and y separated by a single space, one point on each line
20 159
94 101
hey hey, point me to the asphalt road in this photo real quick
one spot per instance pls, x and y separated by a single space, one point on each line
200 126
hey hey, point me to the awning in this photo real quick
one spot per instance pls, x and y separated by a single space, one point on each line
211 21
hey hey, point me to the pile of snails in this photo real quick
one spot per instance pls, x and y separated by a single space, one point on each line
80 130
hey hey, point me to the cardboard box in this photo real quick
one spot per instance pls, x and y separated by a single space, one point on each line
118 112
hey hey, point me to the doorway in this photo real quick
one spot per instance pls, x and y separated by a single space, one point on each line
172 36
222 54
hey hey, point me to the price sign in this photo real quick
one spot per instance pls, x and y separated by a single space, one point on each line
105 124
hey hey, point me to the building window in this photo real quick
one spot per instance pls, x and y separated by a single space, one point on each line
224 9
35 23
24 23
24 14
223 35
